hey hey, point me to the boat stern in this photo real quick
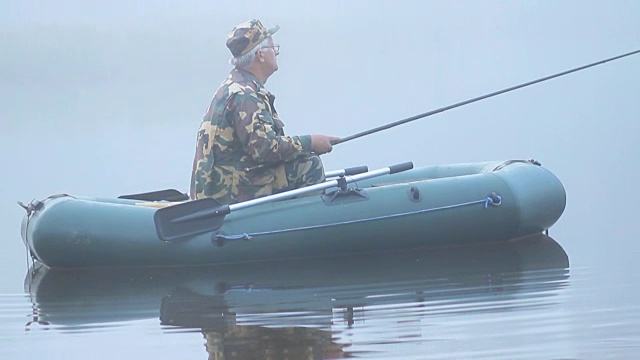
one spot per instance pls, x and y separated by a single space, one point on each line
538 193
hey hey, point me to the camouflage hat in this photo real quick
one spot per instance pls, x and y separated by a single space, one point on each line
246 36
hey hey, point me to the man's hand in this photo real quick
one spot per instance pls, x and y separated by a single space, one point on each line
321 144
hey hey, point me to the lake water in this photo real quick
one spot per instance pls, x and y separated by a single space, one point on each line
104 101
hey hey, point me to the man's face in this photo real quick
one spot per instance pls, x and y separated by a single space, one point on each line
270 54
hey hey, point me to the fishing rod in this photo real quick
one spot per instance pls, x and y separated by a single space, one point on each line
443 109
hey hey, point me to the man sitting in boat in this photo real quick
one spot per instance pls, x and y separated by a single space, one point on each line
241 151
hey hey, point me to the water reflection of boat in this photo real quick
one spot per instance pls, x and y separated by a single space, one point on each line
284 303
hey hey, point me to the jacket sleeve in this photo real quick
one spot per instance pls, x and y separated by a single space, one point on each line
254 128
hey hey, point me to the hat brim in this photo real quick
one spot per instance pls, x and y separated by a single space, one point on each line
273 30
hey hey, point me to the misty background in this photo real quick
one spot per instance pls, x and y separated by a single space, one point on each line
103 99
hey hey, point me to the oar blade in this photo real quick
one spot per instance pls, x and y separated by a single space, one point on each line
189 218
160 195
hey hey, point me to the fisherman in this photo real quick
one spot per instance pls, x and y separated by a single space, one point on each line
241 151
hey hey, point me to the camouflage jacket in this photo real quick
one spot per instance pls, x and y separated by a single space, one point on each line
241 146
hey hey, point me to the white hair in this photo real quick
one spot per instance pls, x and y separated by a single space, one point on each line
247 58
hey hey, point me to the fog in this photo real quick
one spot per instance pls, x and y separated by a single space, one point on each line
103 99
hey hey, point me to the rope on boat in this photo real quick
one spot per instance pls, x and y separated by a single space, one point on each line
29 254
509 162
31 208
492 199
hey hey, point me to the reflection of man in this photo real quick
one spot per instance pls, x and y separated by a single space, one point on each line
256 342
226 340
241 151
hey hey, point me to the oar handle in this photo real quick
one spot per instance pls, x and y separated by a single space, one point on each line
400 167
347 172
356 170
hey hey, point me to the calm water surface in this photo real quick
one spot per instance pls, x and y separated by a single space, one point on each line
414 303
104 100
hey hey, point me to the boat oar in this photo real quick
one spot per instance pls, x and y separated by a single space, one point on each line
443 109
206 215
175 195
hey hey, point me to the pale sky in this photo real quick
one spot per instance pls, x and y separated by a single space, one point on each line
104 98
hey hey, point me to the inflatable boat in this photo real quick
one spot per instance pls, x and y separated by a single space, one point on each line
393 208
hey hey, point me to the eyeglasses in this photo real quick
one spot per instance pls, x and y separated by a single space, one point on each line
275 47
